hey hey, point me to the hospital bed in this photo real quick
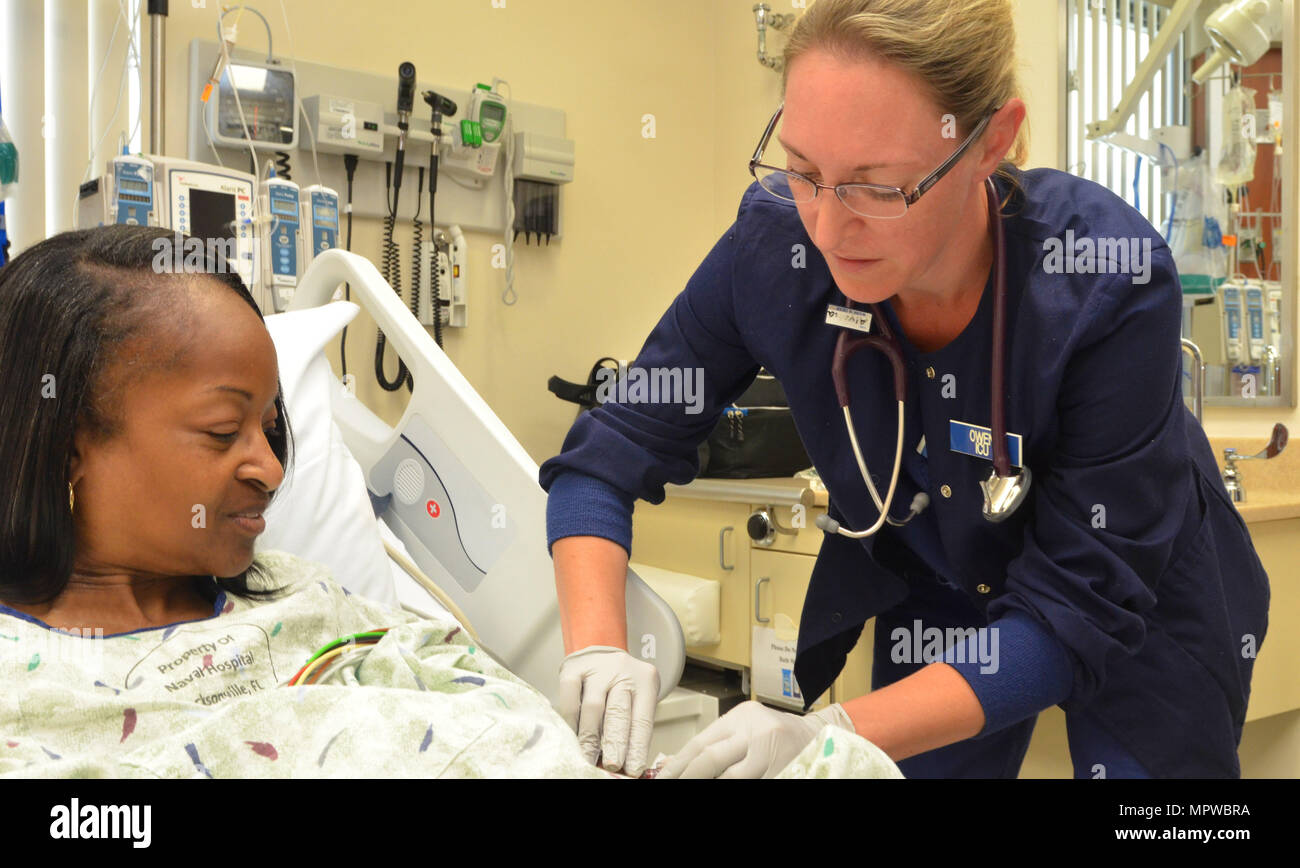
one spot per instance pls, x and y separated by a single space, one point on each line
447 504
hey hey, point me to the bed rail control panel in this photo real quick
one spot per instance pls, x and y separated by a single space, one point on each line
461 525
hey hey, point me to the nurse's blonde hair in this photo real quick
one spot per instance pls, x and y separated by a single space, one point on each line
963 50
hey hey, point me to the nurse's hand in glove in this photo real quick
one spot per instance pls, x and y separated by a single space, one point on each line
751 741
609 697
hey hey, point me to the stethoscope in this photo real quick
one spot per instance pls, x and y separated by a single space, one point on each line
1004 491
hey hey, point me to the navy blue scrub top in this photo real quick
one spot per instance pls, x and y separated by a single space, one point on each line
1127 550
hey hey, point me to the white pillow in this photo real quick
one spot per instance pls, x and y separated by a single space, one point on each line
322 512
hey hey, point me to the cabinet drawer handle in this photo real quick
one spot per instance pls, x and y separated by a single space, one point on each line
722 548
758 590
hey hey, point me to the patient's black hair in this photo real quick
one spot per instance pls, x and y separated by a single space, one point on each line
68 307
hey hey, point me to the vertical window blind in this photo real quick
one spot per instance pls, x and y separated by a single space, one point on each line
71 92
1107 39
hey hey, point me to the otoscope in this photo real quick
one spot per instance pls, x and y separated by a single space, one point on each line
392 270
405 102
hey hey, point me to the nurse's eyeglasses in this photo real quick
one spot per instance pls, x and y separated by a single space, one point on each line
866 200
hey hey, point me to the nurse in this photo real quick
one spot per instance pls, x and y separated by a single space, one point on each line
1124 587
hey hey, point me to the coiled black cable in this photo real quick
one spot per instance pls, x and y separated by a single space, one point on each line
386 262
417 244
282 165
393 276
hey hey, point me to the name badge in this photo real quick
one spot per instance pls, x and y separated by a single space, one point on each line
847 317
978 442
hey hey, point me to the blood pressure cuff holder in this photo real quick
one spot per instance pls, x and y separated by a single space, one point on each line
586 396
755 438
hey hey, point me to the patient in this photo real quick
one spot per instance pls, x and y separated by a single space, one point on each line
145 433
142 435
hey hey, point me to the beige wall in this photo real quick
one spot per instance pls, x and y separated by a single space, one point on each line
638 219
642 213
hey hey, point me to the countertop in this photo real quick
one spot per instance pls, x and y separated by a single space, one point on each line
780 491
1272 487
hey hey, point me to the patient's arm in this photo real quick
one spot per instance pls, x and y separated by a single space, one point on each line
591 581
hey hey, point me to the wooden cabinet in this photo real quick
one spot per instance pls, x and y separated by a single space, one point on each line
780 585
759 583
780 581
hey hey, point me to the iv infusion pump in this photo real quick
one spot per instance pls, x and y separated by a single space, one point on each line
254 227
299 225
210 203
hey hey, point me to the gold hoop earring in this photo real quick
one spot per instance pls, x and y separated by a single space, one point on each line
72 498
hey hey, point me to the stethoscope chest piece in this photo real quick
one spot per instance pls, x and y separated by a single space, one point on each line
1004 494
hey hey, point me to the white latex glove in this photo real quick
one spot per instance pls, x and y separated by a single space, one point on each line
751 741
609 697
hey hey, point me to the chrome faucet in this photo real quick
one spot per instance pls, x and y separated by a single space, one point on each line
1232 477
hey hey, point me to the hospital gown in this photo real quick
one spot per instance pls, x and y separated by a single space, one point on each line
205 699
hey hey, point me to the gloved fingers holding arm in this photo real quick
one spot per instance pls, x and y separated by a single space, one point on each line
751 741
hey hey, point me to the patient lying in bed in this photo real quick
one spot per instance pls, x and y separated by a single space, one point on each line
143 436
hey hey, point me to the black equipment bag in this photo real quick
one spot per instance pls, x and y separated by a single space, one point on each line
755 438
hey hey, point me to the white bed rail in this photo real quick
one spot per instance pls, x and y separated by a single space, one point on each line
491 489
